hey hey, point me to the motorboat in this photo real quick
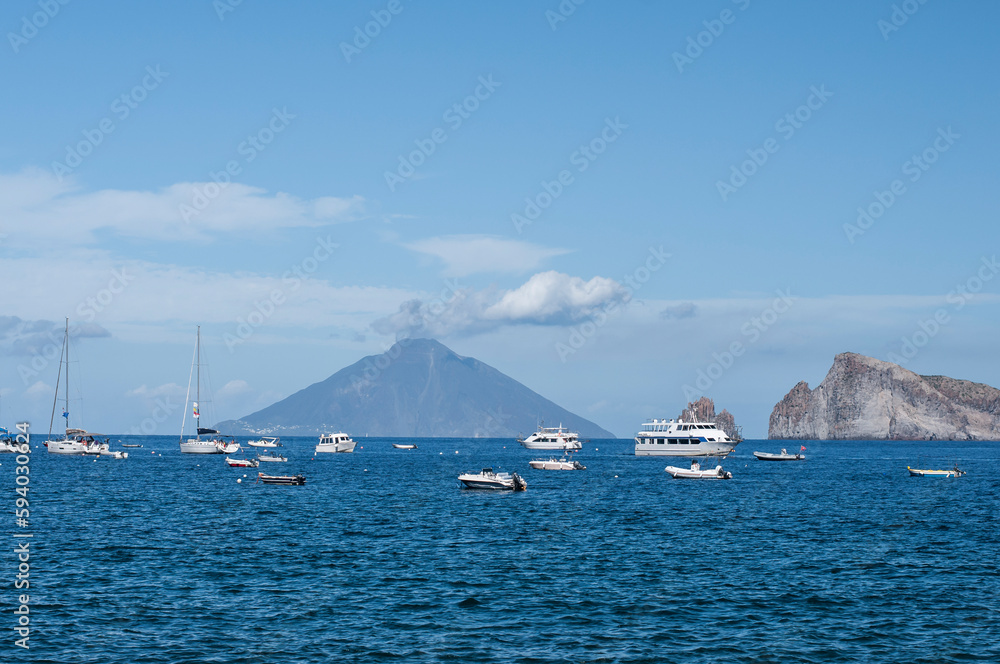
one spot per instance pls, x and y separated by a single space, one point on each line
241 463
696 473
295 480
265 442
487 479
404 446
556 464
552 438
782 456
271 457
114 454
335 442
131 445
683 439
954 472
15 443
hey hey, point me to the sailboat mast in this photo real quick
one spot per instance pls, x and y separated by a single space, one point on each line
67 374
197 389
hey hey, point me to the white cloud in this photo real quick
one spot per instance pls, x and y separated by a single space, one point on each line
555 298
34 204
473 254
548 298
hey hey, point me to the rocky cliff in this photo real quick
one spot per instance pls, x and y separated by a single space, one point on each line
862 398
703 410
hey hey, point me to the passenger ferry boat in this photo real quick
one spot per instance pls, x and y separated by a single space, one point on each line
683 439
552 438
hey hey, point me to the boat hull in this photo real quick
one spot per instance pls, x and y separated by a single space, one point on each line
200 447
916 472
290 480
687 474
547 445
695 449
335 447
66 447
553 464
765 456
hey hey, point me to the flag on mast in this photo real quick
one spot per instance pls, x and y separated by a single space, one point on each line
196 409
802 448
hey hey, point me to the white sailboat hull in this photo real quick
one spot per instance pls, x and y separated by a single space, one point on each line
200 447
66 447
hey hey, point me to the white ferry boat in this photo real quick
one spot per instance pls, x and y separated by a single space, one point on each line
335 442
552 438
683 439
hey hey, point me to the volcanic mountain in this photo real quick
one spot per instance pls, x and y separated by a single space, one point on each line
418 388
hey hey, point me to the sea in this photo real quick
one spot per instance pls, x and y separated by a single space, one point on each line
382 557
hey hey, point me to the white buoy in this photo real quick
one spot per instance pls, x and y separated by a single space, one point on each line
239 480
456 451
616 476
244 474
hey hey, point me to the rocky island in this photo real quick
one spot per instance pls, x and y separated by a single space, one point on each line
863 398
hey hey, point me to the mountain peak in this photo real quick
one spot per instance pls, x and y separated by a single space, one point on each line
418 387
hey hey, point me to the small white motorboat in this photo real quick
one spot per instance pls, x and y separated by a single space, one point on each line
954 472
265 442
241 463
556 464
696 473
404 446
114 454
782 456
272 457
487 479
335 442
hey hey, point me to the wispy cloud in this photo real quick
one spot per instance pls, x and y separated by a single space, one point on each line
34 204
31 337
463 255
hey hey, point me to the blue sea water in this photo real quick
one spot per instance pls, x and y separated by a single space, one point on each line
382 557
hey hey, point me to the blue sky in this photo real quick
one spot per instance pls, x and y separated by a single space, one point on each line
582 304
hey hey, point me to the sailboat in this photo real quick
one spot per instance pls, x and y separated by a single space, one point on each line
75 441
213 444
